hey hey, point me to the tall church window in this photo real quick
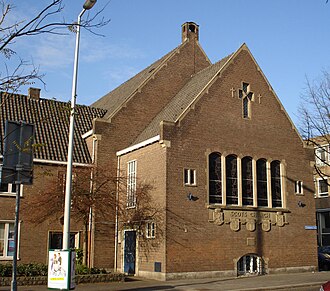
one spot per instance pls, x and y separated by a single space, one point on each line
247 181
131 184
231 180
262 183
215 185
275 169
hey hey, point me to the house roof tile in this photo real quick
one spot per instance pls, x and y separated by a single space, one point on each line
51 119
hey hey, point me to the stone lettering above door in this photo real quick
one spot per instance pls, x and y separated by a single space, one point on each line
249 218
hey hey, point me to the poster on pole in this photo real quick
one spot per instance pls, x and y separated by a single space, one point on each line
59 270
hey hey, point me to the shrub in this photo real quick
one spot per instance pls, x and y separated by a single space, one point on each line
26 270
36 269
5 270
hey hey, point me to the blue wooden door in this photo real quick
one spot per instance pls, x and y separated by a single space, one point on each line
130 252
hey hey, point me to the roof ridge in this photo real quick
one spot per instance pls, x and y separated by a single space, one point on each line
42 99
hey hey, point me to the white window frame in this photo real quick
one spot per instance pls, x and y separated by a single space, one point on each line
321 194
151 230
6 234
299 187
187 174
318 154
131 183
9 191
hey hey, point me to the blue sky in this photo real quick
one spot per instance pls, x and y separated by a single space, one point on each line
288 38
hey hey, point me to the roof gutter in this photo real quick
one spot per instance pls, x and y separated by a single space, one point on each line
139 145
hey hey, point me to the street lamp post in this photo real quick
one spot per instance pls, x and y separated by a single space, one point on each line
68 186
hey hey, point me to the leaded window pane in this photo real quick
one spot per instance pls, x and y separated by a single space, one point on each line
231 180
275 168
247 181
215 185
262 183
246 107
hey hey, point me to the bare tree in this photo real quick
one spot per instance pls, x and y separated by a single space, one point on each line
47 21
92 190
315 122
146 212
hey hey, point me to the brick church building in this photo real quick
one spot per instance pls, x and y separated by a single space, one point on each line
224 174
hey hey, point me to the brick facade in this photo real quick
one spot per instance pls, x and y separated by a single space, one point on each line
196 243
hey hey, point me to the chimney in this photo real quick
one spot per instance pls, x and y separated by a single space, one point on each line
190 31
34 93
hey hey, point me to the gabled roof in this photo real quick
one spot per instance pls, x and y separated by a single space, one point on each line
114 100
181 102
51 119
190 93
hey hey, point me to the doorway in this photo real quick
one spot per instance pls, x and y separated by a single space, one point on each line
129 252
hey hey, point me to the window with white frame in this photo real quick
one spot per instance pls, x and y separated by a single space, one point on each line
247 182
150 229
7 242
189 177
322 155
262 182
276 191
131 183
231 180
322 187
8 189
298 187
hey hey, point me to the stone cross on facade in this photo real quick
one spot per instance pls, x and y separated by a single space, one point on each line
246 95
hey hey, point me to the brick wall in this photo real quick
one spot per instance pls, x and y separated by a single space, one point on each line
131 119
33 239
216 124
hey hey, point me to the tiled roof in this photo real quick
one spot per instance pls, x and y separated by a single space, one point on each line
51 119
180 103
116 98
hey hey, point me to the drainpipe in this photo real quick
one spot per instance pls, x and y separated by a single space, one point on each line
90 220
116 222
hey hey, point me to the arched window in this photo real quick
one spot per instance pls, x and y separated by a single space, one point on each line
250 264
231 180
247 181
215 186
275 169
262 183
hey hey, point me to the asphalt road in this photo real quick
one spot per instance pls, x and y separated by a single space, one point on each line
306 281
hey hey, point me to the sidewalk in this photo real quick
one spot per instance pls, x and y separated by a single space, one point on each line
295 281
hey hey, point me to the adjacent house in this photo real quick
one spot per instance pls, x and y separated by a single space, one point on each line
43 201
321 178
